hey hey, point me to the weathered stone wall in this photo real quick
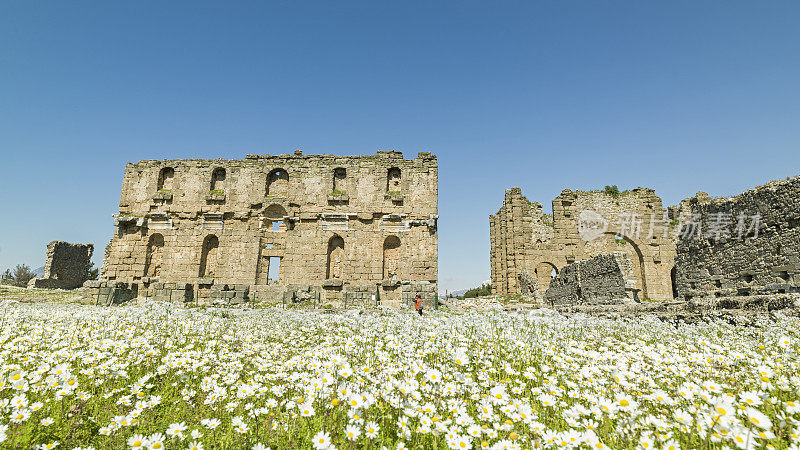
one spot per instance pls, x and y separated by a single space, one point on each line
584 224
329 221
597 280
529 286
67 266
745 245
99 292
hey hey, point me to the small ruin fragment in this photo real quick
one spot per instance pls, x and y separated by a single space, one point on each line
67 266
595 281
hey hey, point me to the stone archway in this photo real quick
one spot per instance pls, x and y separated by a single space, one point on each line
637 259
545 272
611 242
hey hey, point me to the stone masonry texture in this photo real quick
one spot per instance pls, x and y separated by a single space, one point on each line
67 266
524 239
725 251
597 280
279 227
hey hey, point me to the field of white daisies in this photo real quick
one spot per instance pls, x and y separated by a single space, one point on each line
162 377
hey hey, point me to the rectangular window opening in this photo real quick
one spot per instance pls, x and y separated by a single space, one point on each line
274 269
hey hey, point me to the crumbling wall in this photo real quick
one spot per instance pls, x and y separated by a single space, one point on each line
516 232
597 280
745 245
583 224
98 292
231 222
529 285
67 266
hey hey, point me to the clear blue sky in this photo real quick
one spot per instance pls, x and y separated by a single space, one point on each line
679 96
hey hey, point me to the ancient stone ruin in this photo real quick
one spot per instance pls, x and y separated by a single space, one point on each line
584 224
294 228
67 266
745 245
607 247
597 280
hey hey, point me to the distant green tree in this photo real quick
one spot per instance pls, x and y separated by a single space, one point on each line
6 277
94 272
22 274
480 291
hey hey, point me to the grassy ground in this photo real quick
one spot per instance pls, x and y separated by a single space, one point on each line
155 376
24 295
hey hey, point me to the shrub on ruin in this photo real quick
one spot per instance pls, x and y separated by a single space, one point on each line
612 190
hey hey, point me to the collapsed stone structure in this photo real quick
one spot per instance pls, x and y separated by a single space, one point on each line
744 245
595 281
584 224
294 228
67 266
529 286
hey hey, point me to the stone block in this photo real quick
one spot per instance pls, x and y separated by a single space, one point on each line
332 282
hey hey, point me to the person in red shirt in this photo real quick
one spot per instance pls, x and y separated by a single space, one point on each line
418 304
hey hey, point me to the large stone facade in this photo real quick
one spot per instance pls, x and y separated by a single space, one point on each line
67 266
267 225
583 224
745 245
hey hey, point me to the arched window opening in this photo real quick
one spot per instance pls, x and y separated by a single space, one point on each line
165 178
278 183
391 257
339 180
335 257
218 180
209 256
274 217
155 255
393 180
